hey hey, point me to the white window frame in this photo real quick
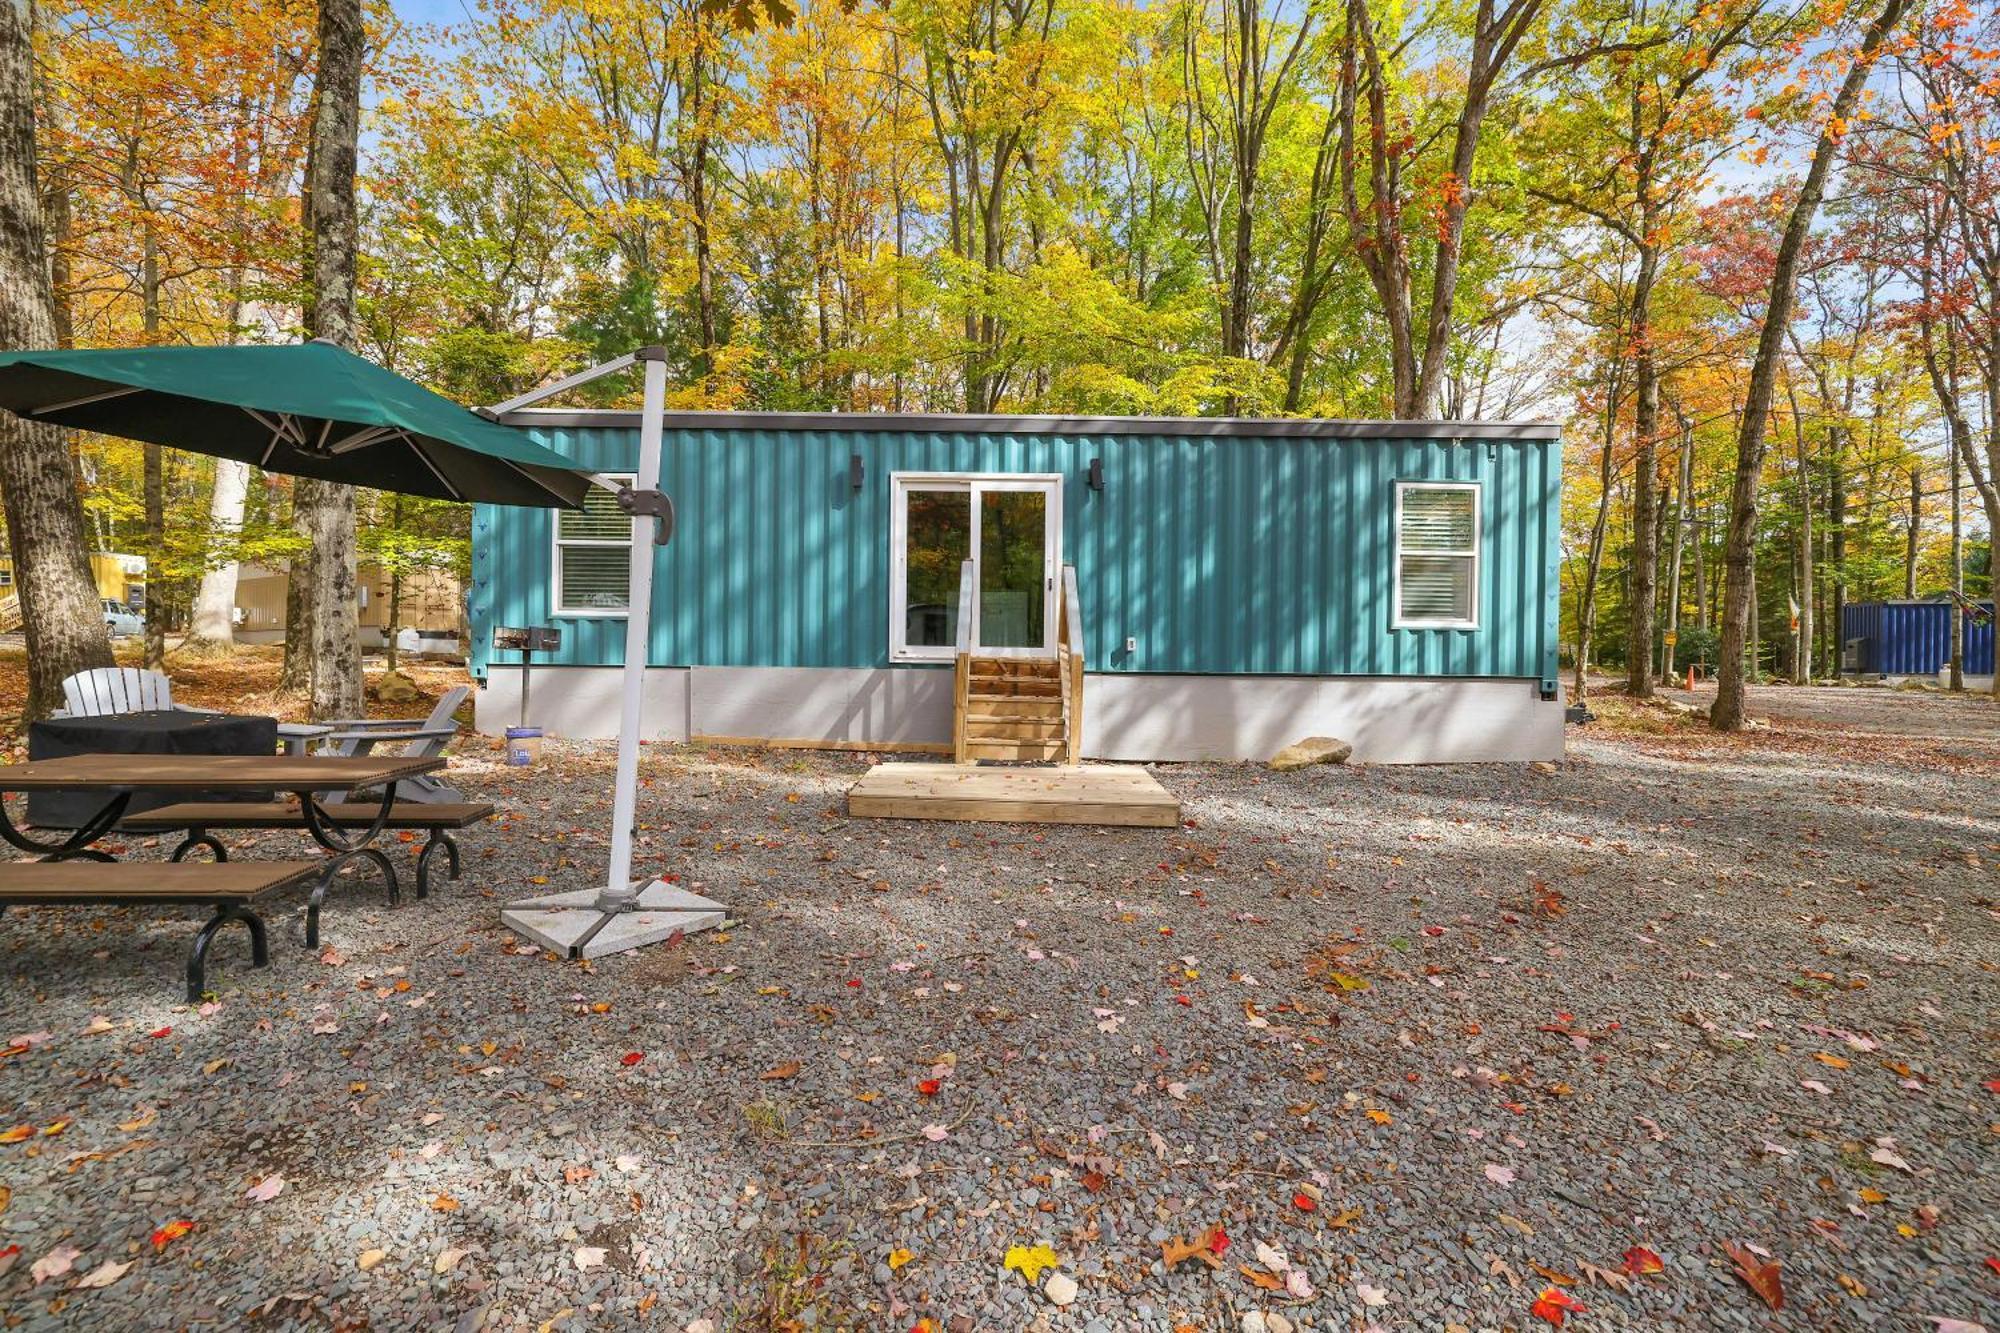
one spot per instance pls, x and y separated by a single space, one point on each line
972 483
1397 619
556 544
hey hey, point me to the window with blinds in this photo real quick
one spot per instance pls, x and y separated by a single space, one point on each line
1437 555
593 560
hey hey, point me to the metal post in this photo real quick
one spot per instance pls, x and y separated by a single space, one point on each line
527 661
619 893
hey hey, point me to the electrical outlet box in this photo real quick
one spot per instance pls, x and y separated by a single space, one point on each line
1131 645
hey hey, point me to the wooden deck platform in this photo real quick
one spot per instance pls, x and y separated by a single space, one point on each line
1088 794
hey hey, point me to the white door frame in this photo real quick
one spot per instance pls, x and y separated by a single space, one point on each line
972 484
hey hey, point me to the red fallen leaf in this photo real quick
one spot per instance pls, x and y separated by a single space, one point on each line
1218 1240
929 1086
160 1032
1762 1278
1304 1202
631 1058
1433 931
1993 1263
1182 999
1993 1085
1639 1260
171 1232
854 983
1556 1305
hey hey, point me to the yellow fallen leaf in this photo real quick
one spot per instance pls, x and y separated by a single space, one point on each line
1831 1061
897 1258
1379 1117
17 1133
1869 1195
140 1121
1346 981
1029 1263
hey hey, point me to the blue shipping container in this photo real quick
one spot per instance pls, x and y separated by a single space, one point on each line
1914 638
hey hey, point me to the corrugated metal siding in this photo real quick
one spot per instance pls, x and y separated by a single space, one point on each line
1914 638
1219 556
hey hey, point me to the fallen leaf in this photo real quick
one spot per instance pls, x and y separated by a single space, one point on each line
55 1263
1955 1325
936 1133
1206 1248
1029 1263
1762 1278
367 1259
1814 1085
444 1203
1372 1297
929 1086
1604 1277
266 1189
1640 1261
17 1133
1261 1279
1830 1061
897 1258
447 1261
1555 1305
1889 1157
171 1232
103 1275
140 1121
788 1069
1500 1175
631 1058
1304 1202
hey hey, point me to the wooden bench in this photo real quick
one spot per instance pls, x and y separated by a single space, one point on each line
230 889
438 818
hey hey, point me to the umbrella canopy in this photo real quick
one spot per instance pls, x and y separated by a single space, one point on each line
306 409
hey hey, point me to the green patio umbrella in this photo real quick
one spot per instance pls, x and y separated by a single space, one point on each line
304 409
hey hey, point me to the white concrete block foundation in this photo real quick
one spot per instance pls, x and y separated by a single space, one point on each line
1128 717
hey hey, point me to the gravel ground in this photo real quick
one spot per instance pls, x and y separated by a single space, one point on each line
1443 1037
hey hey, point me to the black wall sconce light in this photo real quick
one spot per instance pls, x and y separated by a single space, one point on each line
855 471
1096 474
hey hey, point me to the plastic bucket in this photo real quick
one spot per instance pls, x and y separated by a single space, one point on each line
524 744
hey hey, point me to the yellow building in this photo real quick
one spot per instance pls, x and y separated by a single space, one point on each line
433 604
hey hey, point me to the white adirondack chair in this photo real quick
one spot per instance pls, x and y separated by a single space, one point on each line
420 738
104 691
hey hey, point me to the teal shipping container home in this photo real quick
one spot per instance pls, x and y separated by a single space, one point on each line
1037 587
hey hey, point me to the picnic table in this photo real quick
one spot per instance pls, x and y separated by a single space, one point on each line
61 878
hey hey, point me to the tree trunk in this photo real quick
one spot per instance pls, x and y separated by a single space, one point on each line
154 483
324 511
60 614
1836 552
212 627
1645 530
1958 583
1727 712
1593 565
1802 633
1681 521
1910 539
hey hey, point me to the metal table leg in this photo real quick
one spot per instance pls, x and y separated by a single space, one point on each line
79 840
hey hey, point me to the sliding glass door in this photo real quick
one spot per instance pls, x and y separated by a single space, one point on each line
1010 527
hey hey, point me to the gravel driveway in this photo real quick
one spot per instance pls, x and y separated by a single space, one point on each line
1422 1042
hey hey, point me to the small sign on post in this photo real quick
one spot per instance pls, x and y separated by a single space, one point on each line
527 640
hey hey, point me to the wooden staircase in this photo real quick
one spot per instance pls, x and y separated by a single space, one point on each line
1020 709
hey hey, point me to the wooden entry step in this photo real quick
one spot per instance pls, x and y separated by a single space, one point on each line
1109 794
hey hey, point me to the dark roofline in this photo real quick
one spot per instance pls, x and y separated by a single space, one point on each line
1202 427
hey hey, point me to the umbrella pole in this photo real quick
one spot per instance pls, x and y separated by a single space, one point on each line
623 914
619 892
